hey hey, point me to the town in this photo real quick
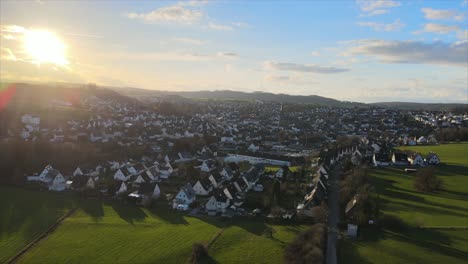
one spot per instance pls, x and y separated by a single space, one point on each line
221 158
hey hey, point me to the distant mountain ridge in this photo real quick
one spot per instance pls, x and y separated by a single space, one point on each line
139 93
423 106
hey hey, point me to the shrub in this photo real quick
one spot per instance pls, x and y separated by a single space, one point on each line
426 180
199 253
307 247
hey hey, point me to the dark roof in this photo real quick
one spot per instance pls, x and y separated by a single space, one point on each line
206 183
382 157
139 167
146 187
401 156
221 197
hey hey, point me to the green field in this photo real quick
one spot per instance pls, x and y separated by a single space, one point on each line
110 232
446 208
236 245
26 214
276 168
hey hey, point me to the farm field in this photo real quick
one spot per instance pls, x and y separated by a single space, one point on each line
115 233
26 214
435 243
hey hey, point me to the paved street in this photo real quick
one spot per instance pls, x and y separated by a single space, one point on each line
333 215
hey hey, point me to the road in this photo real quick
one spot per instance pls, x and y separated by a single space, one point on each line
333 214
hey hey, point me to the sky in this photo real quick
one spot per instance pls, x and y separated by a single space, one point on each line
364 51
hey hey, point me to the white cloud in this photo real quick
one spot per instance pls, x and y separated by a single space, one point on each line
294 67
376 7
220 27
175 14
442 14
416 52
193 3
397 25
462 34
190 41
276 78
438 28
240 24
315 53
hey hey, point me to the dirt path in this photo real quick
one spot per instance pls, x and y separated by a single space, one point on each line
41 237
211 242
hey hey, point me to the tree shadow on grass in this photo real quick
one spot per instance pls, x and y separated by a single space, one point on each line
93 208
432 240
387 188
208 260
347 252
168 216
161 211
130 214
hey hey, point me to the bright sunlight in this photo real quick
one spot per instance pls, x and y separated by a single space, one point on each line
45 47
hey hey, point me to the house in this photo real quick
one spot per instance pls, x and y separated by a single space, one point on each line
58 183
240 185
381 159
122 189
252 176
207 166
90 183
185 196
351 205
432 158
139 168
227 173
282 172
376 147
216 179
314 198
356 157
400 158
48 174
415 159
203 187
230 191
166 171
78 171
122 174
253 148
183 157
217 203
149 191
422 140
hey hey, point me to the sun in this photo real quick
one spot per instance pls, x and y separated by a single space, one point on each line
45 47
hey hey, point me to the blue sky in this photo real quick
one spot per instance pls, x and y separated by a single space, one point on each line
363 51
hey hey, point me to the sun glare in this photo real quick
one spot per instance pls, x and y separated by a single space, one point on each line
45 47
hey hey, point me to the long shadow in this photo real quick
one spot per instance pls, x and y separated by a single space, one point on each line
93 208
410 207
208 260
388 189
432 240
347 252
169 216
30 212
131 214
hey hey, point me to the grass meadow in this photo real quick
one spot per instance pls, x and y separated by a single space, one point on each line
111 232
435 224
